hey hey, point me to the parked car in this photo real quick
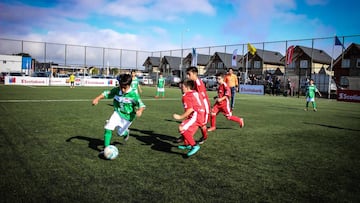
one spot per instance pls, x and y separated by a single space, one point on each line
16 74
145 80
61 75
172 80
210 82
40 74
82 75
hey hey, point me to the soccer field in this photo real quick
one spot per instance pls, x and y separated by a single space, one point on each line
51 138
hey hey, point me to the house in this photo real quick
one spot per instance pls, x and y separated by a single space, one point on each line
220 62
306 61
202 61
170 65
263 62
346 67
152 65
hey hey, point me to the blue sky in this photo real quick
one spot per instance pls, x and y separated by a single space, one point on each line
158 24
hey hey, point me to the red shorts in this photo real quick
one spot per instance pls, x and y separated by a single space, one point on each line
189 127
222 107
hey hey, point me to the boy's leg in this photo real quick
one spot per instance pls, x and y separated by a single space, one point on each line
236 119
189 138
123 128
314 105
107 137
213 122
307 104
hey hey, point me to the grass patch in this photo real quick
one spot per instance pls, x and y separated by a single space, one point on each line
51 137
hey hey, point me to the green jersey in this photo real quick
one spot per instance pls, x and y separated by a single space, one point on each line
161 83
134 84
125 104
311 90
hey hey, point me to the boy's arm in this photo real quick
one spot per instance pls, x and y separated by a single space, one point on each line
220 99
97 99
318 92
139 111
140 90
184 115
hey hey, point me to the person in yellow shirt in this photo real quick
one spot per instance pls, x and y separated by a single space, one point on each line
72 80
232 81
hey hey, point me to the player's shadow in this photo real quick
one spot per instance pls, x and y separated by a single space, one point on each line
169 120
93 143
157 141
331 126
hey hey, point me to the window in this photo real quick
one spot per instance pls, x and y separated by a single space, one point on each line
303 64
291 65
358 63
257 64
345 63
220 65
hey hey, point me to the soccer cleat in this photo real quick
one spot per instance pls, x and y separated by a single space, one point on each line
241 123
211 129
184 147
201 140
305 109
193 150
125 134
315 109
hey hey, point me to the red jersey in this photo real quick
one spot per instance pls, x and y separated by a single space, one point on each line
200 87
192 99
224 90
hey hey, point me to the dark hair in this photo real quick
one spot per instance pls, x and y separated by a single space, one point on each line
133 71
188 83
124 79
220 75
192 69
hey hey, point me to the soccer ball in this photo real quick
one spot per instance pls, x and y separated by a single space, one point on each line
111 152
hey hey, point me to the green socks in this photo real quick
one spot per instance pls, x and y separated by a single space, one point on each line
107 137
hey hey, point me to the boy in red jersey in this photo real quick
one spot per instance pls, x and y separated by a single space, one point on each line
222 104
192 74
193 117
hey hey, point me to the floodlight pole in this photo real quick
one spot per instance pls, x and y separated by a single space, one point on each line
182 52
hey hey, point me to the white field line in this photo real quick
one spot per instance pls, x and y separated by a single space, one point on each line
69 100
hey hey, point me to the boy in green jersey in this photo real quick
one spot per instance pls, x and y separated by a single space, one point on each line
135 83
160 86
310 95
127 106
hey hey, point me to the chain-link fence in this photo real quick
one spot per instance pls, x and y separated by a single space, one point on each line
314 56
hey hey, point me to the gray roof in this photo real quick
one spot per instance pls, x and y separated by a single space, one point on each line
319 56
270 57
153 60
227 58
173 61
202 59
350 47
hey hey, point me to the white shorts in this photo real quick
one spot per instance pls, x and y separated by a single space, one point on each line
308 99
116 121
161 89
